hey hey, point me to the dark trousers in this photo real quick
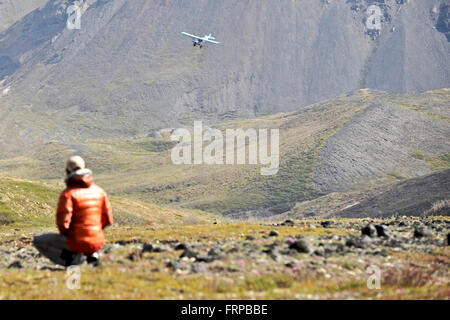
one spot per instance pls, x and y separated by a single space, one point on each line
54 246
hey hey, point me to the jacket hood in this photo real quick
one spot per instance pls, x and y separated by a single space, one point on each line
80 178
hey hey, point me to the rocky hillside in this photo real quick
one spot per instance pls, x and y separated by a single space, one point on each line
128 69
355 143
410 197
12 11
290 260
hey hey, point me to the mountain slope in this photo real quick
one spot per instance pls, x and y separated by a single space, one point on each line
28 203
128 70
411 197
355 142
12 10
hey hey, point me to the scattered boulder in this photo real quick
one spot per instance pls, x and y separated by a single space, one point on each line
326 224
274 233
188 253
15 265
319 252
233 250
383 231
288 223
161 248
181 246
351 242
250 238
134 256
369 230
174 265
422 232
448 238
214 252
302 246
273 253
147 248
151 248
206 259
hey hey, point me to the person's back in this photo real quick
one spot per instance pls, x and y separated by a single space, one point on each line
83 212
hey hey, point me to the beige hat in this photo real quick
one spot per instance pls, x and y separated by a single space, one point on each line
75 163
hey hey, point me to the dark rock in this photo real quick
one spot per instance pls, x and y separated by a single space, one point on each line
302 246
319 252
151 248
379 253
214 252
134 256
161 249
289 223
206 259
383 231
147 248
273 253
181 246
422 232
233 250
290 265
250 238
15 265
174 265
188 253
448 238
274 233
326 224
369 230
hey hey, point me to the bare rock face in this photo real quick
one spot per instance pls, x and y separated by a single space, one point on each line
443 22
129 71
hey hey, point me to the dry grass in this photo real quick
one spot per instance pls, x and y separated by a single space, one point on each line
440 208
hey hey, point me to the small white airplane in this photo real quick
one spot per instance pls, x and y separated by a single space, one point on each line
198 41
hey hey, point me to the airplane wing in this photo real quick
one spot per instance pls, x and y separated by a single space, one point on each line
199 38
192 36
210 41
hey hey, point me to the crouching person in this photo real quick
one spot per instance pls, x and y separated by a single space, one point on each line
83 212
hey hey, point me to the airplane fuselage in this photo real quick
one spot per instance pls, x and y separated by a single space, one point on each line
198 41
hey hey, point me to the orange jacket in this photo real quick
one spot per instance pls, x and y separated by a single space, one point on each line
83 212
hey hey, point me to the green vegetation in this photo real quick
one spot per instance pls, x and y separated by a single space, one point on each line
439 162
396 175
25 203
418 155
140 167
406 275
